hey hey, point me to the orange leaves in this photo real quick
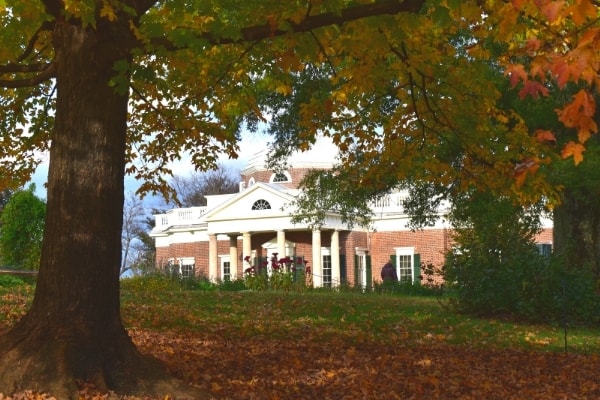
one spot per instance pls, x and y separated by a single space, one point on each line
526 167
533 89
516 74
579 114
573 149
581 10
561 46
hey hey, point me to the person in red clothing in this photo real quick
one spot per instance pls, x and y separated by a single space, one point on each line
388 273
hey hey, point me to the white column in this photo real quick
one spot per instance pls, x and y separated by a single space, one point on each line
212 257
233 256
317 269
246 250
281 244
335 258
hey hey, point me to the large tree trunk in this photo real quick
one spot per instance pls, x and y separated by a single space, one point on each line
577 228
73 331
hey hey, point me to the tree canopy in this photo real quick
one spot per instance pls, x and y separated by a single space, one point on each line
110 87
409 83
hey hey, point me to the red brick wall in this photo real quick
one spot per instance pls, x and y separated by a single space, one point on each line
297 174
429 244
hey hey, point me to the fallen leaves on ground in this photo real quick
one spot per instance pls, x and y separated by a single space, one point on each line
309 368
254 348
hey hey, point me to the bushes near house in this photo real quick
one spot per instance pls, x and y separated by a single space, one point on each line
526 286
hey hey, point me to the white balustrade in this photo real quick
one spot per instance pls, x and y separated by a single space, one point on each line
179 216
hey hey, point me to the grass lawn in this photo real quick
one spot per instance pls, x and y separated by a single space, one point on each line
319 345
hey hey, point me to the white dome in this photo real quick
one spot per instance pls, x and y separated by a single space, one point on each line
321 155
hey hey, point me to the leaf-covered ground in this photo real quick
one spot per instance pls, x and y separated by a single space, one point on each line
317 346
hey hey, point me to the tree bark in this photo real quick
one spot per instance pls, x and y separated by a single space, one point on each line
73 332
577 229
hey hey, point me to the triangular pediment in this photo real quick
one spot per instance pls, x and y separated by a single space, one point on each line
259 201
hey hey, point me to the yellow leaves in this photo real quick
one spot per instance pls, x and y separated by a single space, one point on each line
107 11
284 89
533 338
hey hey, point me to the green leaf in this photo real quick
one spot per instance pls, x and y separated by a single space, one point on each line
441 16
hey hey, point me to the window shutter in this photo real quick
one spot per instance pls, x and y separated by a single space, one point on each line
343 275
417 269
369 272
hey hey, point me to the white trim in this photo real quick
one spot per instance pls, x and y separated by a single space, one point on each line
406 251
222 260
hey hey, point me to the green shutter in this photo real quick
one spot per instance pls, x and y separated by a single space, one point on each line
369 273
417 269
343 275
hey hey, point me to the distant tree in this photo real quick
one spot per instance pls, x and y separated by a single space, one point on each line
5 196
22 230
133 228
193 189
144 247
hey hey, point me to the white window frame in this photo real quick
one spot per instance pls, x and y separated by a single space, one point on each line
402 252
222 261
326 252
180 262
361 254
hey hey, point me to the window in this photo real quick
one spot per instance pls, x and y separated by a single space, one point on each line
280 177
326 271
544 249
226 271
405 268
408 264
362 268
187 270
261 204
184 267
360 278
225 268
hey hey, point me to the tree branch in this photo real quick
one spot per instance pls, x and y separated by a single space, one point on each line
310 22
46 26
12 68
44 74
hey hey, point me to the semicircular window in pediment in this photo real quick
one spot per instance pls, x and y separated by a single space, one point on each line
261 204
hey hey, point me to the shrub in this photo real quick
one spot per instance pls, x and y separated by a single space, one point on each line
8 281
527 286
278 274
235 285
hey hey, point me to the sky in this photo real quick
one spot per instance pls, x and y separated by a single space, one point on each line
250 144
